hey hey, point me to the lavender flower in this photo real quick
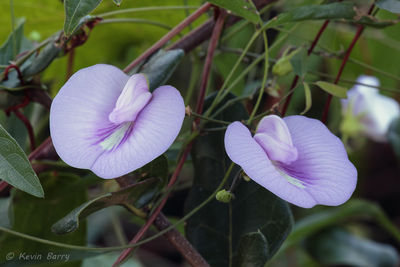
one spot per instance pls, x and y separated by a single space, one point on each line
368 112
296 158
108 122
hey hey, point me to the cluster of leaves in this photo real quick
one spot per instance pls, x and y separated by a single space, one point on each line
247 231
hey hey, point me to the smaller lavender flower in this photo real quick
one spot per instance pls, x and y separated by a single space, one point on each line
296 158
368 112
108 122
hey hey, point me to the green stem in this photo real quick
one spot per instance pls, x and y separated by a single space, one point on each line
142 9
194 114
134 20
265 76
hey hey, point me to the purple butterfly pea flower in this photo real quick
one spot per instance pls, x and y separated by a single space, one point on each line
296 158
108 122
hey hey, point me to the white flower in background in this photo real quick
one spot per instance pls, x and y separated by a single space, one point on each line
368 112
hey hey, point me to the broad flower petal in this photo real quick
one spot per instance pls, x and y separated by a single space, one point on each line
108 122
373 111
321 173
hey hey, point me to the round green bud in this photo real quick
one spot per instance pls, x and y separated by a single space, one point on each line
224 196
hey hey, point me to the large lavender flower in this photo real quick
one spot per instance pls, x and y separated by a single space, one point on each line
296 158
108 122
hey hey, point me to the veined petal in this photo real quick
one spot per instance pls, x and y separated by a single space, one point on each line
322 164
151 134
79 113
247 153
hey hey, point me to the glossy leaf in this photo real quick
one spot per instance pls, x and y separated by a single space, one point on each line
253 208
389 5
75 10
339 247
332 89
394 136
161 66
132 195
34 216
308 98
239 7
15 168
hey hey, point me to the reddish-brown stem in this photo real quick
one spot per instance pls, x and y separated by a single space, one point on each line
156 212
28 126
12 66
70 64
360 29
180 243
44 151
207 65
177 29
296 78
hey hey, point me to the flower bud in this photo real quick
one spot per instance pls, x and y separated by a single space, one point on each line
224 196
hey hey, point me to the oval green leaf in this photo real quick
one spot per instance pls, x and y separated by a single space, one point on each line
15 168
161 66
333 89
75 10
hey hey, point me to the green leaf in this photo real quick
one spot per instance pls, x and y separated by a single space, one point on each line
15 168
240 8
34 216
161 66
394 136
252 251
75 10
12 46
299 62
389 5
332 89
339 247
307 96
136 195
117 2
253 209
43 60
353 209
